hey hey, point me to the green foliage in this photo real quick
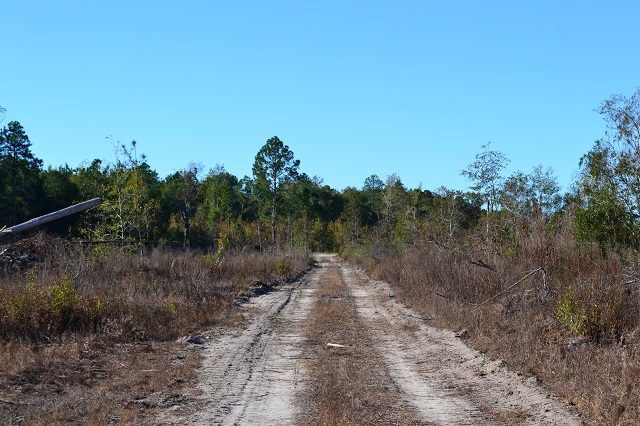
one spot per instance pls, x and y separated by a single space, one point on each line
588 314
61 191
21 193
63 297
283 268
604 219
130 196
604 214
372 191
273 167
46 310
572 313
221 195
485 174
449 214
296 210
608 191
180 195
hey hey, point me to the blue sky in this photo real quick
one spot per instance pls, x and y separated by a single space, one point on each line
353 87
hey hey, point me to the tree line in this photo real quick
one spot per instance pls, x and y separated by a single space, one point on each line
280 206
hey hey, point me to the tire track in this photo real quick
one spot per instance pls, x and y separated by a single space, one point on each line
251 377
262 374
448 382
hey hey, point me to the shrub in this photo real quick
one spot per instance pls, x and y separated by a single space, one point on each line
283 268
123 296
41 310
591 313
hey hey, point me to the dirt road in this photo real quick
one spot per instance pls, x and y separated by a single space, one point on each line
383 362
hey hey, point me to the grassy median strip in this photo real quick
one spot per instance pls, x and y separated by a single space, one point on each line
349 382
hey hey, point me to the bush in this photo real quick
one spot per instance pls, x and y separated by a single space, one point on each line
40 311
591 313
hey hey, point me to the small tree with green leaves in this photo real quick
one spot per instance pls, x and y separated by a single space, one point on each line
609 185
180 193
485 174
131 195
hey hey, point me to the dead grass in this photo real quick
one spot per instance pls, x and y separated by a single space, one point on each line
575 327
350 385
93 383
158 295
88 337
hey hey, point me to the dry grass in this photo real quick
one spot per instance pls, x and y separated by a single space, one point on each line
158 295
575 327
93 383
89 338
350 385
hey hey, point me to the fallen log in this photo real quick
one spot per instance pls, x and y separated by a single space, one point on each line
76 208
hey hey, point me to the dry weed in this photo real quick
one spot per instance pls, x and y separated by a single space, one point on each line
88 337
575 327
350 385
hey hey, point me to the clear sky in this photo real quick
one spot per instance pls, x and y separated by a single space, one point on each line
353 87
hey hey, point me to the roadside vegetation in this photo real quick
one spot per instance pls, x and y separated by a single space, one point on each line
159 295
569 318
90 336
550 284
546 280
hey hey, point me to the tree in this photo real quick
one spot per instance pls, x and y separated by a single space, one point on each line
15 148
180 192
622 143
274 165
419 207
517 196
609 186
313 206
485 175
130 198
221 190
353 214
372 188
521 194
446 213
545 189
222 203
60 191
394 197
90 179
604 215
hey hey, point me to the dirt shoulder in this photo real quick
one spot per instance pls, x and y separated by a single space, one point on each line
94 382
383 364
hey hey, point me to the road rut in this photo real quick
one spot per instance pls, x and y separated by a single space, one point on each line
260 375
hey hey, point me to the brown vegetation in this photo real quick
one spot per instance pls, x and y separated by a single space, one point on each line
88 336
349 383
573 322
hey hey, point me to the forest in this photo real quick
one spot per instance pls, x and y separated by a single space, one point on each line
281 206
510 250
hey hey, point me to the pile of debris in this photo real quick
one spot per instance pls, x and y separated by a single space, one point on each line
28 251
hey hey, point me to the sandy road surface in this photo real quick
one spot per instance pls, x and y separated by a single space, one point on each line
258 375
